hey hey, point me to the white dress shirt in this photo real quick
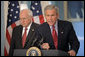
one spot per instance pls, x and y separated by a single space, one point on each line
28 28
56 28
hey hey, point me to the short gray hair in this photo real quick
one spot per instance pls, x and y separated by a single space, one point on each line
50 7
29 12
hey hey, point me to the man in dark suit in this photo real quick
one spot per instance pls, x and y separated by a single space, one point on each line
23 35
57 34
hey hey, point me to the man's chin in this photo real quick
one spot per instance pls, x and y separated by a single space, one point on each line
50 24
24 25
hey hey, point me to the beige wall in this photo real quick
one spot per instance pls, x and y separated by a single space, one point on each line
5 13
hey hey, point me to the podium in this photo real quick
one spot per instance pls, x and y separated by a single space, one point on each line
22 52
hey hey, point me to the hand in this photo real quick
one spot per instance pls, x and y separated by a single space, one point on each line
45 46
72 53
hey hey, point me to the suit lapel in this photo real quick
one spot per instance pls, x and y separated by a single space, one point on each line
50 36
60 34
29 36
60 29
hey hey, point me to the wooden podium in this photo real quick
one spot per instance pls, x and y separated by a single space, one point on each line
22 52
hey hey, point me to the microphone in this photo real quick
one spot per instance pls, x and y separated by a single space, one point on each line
34 39
41 40
37 38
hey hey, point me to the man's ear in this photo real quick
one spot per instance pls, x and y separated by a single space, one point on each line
57 15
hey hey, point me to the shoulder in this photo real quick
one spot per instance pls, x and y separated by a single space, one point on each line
64 23
18 27
43 26
35 24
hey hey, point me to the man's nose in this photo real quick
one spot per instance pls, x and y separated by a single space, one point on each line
50 17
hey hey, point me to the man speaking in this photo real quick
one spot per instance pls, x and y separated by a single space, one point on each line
57 34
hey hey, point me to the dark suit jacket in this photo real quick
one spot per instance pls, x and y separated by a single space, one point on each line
16 41
66 36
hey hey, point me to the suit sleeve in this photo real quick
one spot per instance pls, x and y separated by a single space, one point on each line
39 38
12 45
73 39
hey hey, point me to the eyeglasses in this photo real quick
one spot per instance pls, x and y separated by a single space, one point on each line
25 18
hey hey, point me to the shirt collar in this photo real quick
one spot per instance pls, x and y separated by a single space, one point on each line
28 27
56 24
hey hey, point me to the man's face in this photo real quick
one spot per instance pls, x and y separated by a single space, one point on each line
25 18
51 16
